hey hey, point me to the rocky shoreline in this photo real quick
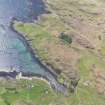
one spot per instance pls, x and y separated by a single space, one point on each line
51 76
24 39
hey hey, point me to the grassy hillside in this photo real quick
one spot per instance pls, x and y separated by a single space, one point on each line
83 21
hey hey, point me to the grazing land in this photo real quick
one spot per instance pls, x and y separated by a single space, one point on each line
71 39
38 92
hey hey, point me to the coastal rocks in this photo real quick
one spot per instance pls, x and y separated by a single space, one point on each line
12 74
49 74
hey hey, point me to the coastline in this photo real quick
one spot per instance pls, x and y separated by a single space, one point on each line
20 76
58 87
24 39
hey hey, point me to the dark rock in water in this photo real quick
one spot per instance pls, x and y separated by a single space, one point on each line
9 74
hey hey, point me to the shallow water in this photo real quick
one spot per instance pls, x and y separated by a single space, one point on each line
14 54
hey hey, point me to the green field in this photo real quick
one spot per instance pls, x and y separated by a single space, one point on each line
36 92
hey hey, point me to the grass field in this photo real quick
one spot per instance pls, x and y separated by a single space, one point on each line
36 92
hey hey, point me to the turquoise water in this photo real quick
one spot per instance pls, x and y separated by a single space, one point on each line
14 53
